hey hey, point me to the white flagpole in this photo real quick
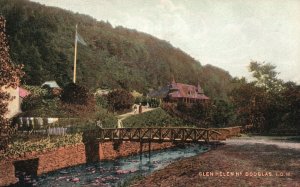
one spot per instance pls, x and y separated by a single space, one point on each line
75 56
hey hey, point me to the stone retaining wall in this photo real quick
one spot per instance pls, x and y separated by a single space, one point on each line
50 160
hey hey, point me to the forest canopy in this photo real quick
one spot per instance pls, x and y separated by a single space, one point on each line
42 39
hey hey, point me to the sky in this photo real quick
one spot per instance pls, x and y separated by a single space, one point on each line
225 33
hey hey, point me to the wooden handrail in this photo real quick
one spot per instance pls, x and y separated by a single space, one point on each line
180 134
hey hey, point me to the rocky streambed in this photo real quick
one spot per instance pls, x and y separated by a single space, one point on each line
112 173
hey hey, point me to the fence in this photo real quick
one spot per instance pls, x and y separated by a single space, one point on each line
49 126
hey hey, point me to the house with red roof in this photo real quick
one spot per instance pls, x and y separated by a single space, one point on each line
179 92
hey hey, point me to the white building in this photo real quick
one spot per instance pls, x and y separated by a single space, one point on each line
14 105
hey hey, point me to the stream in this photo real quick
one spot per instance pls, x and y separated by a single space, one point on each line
114 172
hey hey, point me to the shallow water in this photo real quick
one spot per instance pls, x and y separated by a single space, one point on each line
112 173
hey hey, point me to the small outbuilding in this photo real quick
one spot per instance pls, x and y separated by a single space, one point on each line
53 86
50 84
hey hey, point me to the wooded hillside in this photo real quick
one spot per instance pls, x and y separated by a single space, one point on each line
42 39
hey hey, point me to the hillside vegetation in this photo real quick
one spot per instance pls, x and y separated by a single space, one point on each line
154 118
42 39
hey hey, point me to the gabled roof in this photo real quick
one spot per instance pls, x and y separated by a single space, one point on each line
186 91
51 84
179 90
23 92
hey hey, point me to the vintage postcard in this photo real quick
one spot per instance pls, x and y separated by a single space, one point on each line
149 93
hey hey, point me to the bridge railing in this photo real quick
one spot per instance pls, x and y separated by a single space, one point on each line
157 134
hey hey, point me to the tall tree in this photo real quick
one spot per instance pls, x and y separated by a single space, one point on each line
119 100
251 103
9 78
267 102
266 76
291 107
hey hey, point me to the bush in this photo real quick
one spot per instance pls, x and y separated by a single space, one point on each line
222 113
153 102
39 107
119 100
138 100
181 106
101 101
108 120
31 102
154 118
36 90
77 95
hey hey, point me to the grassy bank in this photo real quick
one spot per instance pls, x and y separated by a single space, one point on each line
154 118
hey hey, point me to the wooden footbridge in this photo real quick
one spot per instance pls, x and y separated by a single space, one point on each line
165 134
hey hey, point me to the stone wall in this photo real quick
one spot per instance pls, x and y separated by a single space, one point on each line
50 160
7 173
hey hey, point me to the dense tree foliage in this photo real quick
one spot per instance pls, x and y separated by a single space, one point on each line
265 76
9 78
119 100
267 102
213 113
215 82
77 95
154 118
42 38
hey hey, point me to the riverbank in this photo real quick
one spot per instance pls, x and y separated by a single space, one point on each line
86 149
247 161
117 172
37 163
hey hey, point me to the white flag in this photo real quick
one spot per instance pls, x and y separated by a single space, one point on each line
80 39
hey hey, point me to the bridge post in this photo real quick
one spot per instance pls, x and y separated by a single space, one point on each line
149 145
207 135
141 150
149 149
160 136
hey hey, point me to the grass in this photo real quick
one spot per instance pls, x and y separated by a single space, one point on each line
36 143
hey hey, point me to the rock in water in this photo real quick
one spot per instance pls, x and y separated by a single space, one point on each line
133 170
76 179
63 172
122 171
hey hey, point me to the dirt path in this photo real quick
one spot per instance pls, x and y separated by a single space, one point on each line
247 161
126 115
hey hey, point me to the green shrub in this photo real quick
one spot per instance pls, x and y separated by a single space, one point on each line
120 100
138 100
181 106
154 118
31 102
108 120
36 91
39 107
76 94
101 101
153 102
